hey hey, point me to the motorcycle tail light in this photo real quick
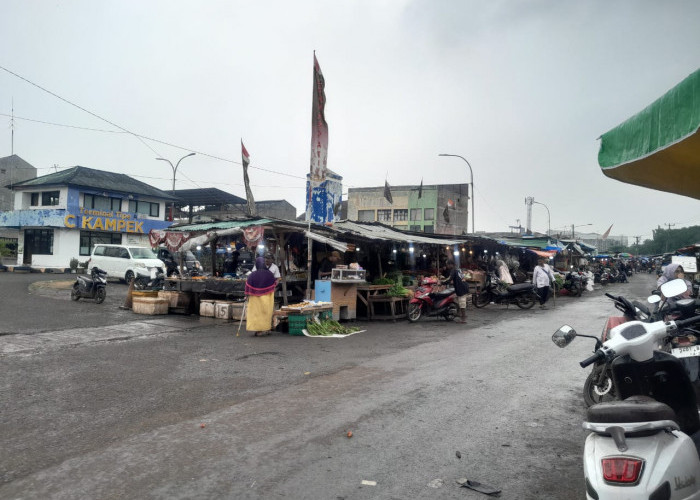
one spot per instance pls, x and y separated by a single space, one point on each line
623 470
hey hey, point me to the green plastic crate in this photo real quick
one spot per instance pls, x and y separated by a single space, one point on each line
297 322
325 315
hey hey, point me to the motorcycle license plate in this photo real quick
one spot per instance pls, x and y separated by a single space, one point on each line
686 352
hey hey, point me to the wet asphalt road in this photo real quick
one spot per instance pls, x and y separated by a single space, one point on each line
98 402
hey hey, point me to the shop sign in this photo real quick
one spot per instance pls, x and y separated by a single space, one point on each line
99 220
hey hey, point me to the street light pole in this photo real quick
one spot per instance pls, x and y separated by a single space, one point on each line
549 220
471 173
172 205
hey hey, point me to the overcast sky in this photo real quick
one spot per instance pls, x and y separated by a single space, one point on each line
521 89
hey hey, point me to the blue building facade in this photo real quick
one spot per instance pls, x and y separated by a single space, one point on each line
61 216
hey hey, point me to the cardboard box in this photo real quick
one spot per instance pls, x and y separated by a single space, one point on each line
150 305
206 308
175 299
222 310
237 310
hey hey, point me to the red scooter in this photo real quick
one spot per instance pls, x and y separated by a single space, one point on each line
431 300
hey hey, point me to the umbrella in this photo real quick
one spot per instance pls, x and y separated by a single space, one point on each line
659 147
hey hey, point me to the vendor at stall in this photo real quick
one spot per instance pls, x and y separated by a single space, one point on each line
271 266
327 265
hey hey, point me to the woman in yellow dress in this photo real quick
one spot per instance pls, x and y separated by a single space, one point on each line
260 289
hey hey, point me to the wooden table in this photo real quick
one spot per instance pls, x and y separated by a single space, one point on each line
398 307
364 292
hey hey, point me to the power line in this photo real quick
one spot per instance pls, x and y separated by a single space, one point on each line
140 137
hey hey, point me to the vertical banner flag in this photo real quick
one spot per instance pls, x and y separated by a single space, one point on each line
420 189
607 233
387 193
319 127
248 193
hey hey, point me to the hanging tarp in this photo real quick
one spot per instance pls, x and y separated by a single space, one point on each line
338 245
545 254
659 147
171 239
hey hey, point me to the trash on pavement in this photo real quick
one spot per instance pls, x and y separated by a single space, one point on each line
480 487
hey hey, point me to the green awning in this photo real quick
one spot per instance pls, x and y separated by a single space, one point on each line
659 147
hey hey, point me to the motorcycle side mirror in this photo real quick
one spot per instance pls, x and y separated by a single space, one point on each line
654 299
564 336
673 288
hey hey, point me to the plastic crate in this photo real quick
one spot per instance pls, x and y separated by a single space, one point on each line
297 322
325 315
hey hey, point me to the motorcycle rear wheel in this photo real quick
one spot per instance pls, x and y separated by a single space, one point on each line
75 293
481 299
415 311
594 394
526 301
100 295
451 312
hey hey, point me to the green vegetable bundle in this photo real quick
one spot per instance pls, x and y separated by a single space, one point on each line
328 327
397 290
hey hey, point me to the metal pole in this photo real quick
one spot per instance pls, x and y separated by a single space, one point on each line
174 168
471 173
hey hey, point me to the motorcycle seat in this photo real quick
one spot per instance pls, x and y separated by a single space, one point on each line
445 293
632 409
520 287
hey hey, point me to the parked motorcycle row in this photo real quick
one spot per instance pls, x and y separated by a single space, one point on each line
643 418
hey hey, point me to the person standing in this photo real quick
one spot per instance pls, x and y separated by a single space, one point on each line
260 290
327 265
542 278
272 267
461 289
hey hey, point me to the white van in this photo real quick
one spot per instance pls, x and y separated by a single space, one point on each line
125 261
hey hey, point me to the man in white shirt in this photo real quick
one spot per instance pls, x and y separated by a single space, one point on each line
272 267
542 277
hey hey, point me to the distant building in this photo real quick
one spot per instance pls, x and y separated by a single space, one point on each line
13 169
209 204
437 208
278 209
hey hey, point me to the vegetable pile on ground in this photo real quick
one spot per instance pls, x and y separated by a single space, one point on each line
328 327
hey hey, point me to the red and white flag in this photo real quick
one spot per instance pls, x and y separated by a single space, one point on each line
319 127
245 157
607 233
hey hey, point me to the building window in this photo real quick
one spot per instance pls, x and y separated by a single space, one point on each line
145 208
34 199
401 215
365 215
98 202
39 241
429 214
415 228
88 239
416 214
428 229
50 198
384 215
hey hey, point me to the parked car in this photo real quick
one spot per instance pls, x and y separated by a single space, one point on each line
125 262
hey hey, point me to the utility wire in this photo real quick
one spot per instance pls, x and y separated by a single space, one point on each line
140 137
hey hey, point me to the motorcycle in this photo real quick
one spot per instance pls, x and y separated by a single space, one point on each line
147 283
522 294
429 300
92 287
599 385
647 444
573 283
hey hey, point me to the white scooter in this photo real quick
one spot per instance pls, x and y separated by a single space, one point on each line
647 444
